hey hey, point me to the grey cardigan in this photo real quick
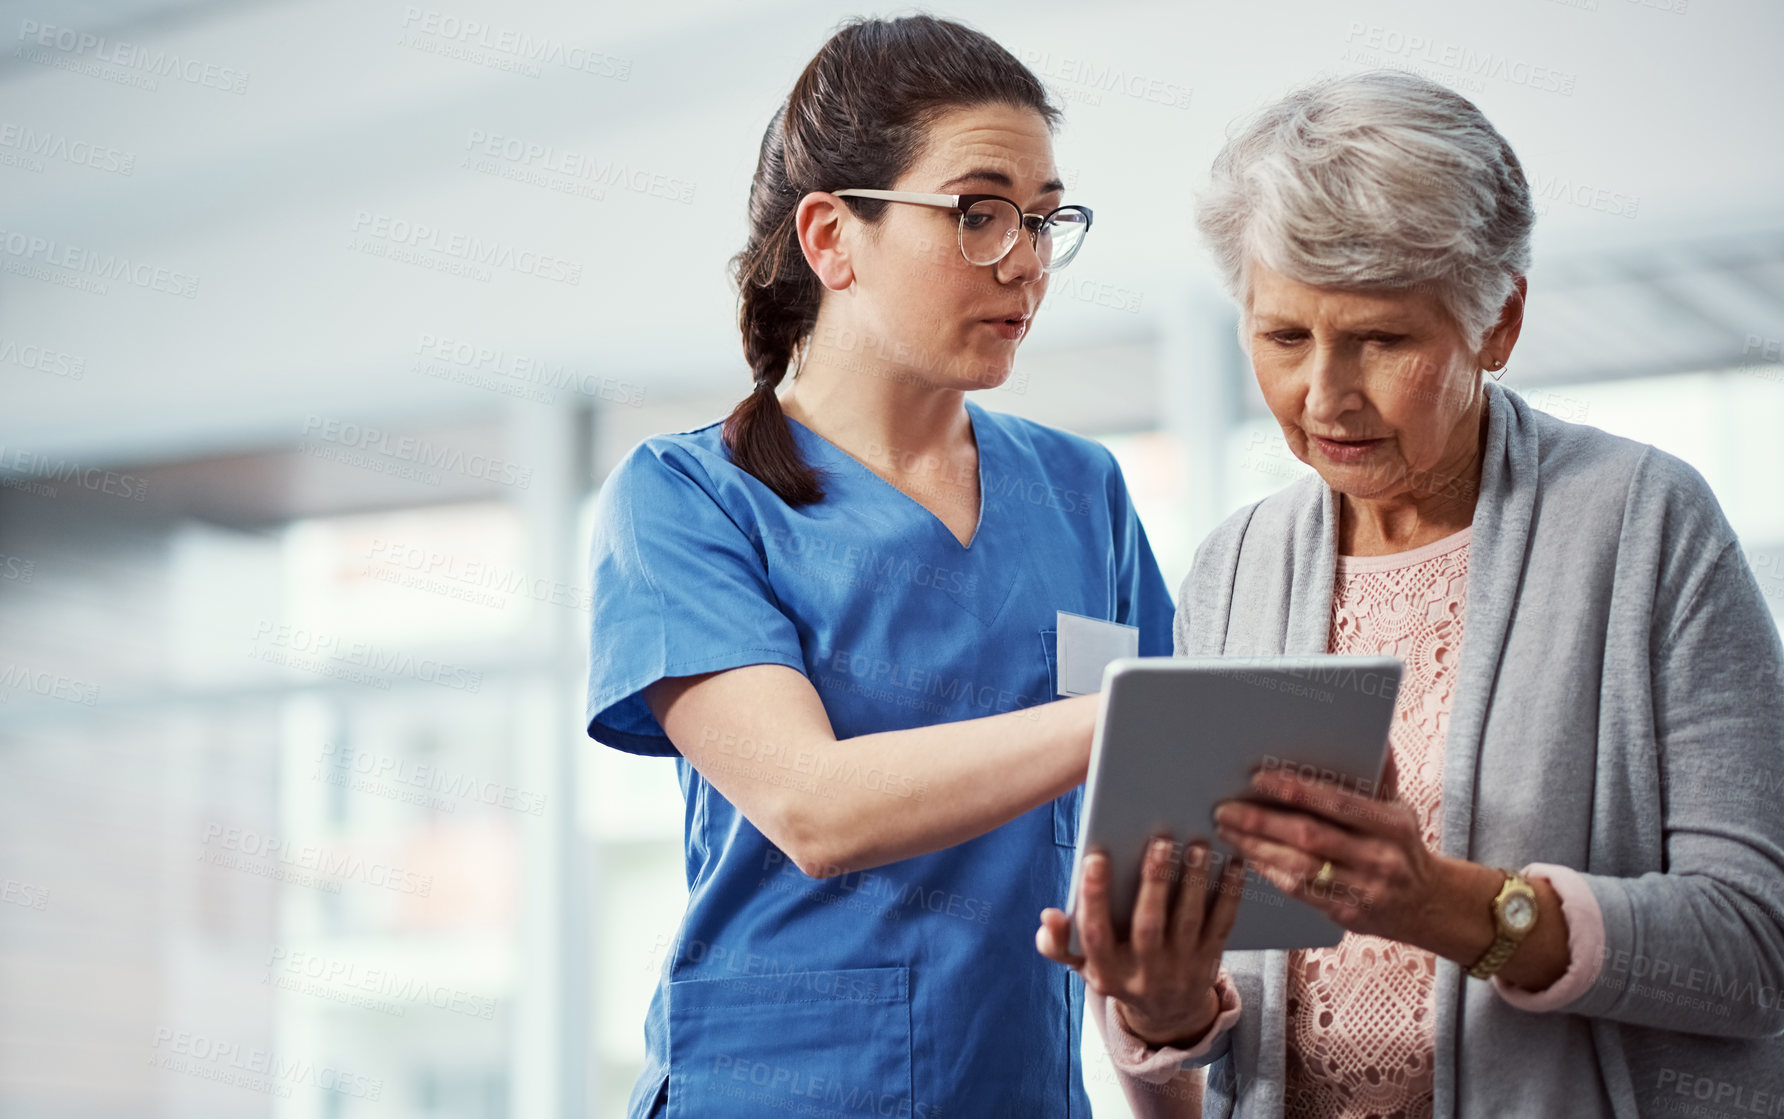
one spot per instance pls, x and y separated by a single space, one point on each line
1619 709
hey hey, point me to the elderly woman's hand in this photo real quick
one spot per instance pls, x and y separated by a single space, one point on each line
1383 880
1162 976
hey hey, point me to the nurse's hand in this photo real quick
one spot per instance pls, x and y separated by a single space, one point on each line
1162 976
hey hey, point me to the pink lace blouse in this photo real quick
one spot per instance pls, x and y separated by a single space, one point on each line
1361 1030
1360 1035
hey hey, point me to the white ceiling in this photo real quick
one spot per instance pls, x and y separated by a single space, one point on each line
258 194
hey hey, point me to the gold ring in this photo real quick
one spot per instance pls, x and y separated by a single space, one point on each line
1324 877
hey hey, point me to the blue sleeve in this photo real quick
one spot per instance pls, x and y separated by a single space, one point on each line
1142 600
677 589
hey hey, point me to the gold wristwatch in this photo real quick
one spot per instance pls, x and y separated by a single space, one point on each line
1514 915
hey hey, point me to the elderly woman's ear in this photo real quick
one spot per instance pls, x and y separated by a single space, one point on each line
1503 337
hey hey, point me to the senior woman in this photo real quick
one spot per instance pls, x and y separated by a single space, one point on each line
1573 901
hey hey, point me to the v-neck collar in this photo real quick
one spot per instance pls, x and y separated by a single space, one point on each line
975 418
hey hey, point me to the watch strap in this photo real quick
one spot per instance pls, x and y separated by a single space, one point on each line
1497 955
1504 944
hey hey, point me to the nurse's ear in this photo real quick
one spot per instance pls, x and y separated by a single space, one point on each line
828 234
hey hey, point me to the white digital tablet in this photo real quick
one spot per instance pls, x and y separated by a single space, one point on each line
1177 735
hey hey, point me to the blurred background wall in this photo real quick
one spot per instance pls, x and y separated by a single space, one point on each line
321 323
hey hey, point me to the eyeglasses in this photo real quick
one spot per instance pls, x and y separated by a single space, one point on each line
989 224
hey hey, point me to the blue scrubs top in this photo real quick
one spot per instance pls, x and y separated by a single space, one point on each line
912 989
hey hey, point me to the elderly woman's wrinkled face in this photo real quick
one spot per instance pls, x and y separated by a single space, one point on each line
1378 392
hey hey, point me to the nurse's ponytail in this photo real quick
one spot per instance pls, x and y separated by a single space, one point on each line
778 295
857 117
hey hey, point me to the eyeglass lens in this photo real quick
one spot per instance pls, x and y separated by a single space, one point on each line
990 227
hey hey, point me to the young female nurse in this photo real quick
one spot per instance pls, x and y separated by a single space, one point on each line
837 612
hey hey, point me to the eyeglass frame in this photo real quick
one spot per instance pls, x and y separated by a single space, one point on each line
964 202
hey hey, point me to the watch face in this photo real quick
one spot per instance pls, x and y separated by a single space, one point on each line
1520 913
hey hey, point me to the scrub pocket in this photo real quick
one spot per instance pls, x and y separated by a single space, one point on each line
1065 808
794 1042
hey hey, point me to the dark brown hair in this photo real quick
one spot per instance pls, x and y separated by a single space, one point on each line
857 117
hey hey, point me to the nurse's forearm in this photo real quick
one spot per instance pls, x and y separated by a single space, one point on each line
971 776
760 735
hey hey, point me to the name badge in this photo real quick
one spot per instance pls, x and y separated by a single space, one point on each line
1086 646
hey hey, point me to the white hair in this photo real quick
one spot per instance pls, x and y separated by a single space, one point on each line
1372 181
